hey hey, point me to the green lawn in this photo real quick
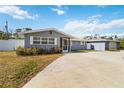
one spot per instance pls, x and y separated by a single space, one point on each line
15 70
85 51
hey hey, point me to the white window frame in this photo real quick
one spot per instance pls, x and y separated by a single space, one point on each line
50 41
43 40
36 40
55 40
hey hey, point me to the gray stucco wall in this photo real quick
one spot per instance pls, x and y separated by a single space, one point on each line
76 45
43 34
107 45
113 45
118 45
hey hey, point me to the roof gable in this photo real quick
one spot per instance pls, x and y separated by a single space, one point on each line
48 29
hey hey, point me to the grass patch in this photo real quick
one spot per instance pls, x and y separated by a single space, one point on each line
85 51
15 70
114 50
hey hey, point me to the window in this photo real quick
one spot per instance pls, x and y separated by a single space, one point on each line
36 40
43 40
51 40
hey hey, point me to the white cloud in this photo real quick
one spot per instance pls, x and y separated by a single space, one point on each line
59 6
102 6
59 11
16 12
93 23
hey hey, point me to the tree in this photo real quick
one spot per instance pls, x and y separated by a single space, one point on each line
18 30
109 38
121 43
27 29
1 33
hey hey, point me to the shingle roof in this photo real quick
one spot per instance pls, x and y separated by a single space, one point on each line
98 40
93 40
77 39
48 29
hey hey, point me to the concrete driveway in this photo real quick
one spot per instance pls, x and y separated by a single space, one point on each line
85 70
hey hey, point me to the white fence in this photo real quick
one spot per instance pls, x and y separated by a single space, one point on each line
11 44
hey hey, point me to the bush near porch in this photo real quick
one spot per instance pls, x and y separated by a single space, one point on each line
36 51
15 70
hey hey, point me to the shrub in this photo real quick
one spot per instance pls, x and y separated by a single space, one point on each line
31 51
40 51
35 51
56 50
20 51
28 51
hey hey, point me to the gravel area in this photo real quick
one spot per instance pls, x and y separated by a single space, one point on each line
82 70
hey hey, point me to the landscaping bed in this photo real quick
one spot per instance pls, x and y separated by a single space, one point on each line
15 70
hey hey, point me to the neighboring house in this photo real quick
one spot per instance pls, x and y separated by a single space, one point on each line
47 39
103 44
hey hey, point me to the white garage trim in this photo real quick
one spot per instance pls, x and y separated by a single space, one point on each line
96 46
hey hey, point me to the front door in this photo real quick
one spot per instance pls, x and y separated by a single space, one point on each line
65 45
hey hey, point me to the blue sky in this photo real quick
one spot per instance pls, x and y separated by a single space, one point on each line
75 20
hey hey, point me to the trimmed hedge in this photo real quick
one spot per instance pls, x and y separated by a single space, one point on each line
36 51
28 51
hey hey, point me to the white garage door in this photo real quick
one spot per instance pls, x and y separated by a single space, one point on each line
99 46
96 46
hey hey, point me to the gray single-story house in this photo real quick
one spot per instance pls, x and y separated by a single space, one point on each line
47 39
102 44
51 37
